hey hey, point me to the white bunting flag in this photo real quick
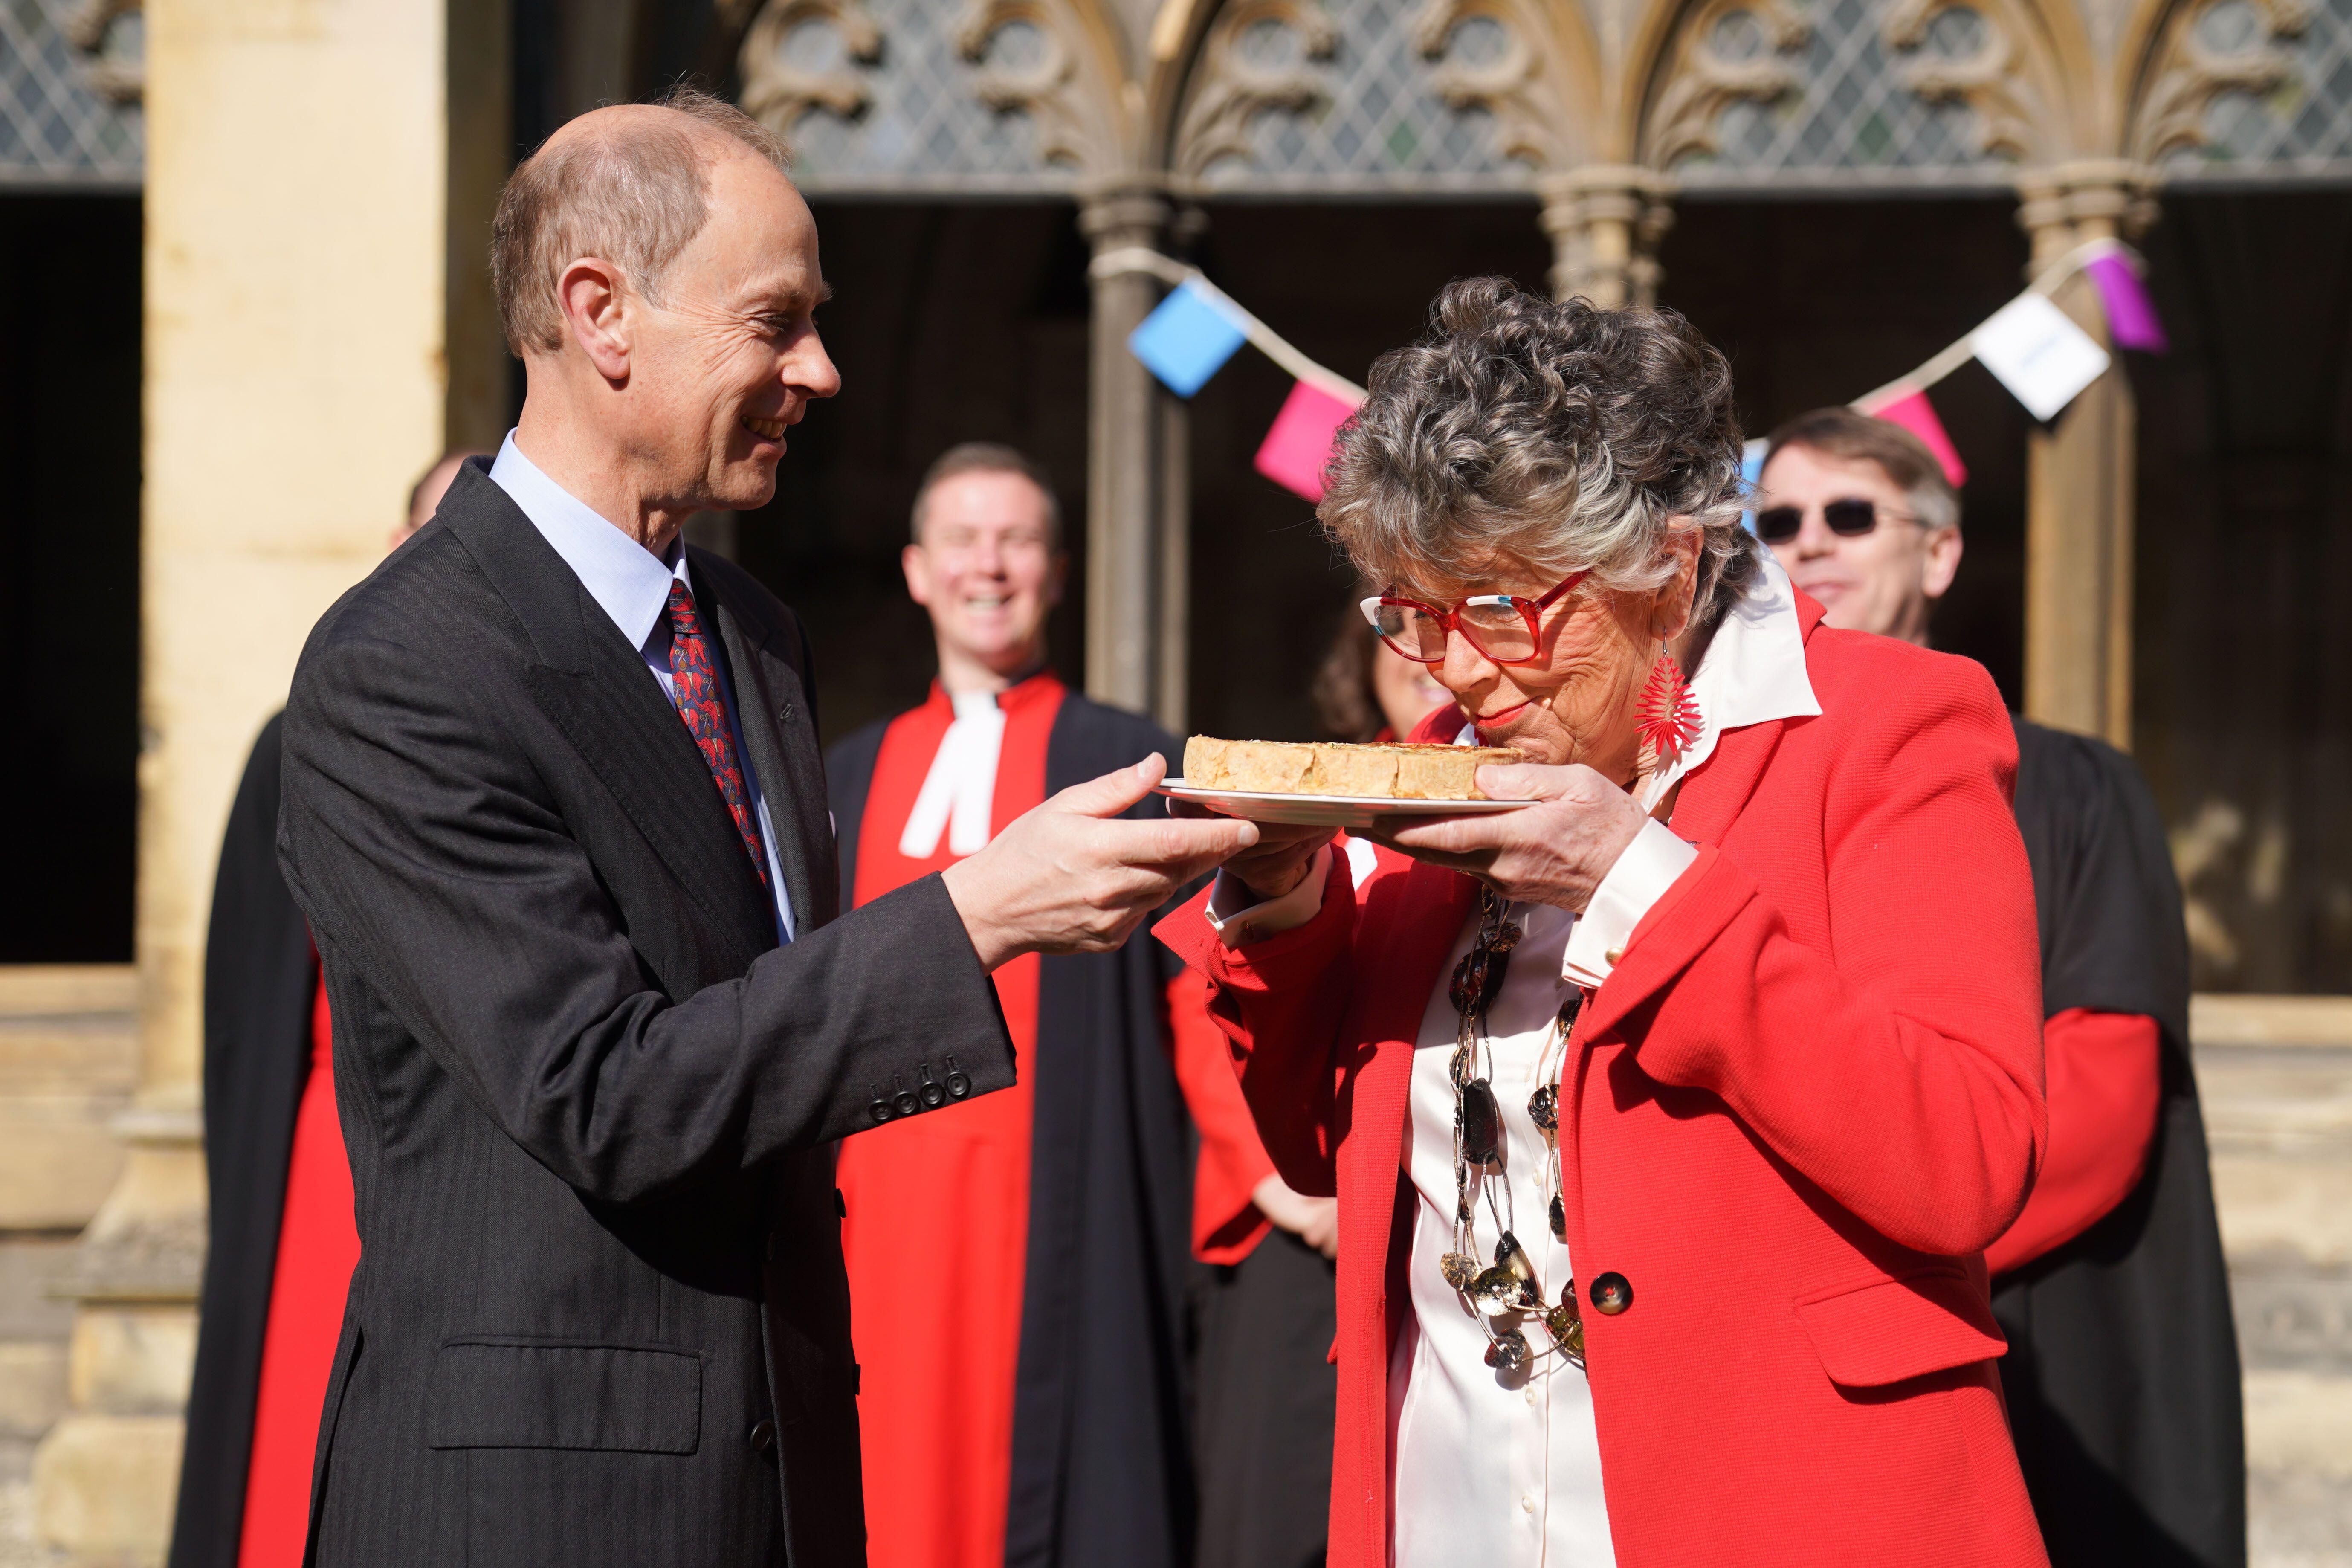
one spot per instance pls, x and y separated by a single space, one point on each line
2039 354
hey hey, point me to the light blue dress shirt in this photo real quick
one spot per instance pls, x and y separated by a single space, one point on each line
632 584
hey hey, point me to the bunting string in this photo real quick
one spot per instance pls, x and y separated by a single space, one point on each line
2031 346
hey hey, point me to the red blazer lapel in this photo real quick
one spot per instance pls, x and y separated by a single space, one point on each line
1410 921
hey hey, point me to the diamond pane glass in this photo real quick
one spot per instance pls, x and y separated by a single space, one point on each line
1851 114
2303 125
924 127
54 130
1373 125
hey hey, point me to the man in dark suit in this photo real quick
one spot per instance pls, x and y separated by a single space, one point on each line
595 1025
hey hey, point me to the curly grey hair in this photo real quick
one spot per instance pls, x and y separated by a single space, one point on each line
1558 437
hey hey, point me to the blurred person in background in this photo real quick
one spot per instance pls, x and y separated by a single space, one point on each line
283 1241
1041 1416
2122 1374
1366 691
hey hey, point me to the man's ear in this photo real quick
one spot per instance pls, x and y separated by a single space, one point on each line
917 566
597 314
1942 564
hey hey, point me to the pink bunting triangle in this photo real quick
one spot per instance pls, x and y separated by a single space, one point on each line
1916 413
1297 447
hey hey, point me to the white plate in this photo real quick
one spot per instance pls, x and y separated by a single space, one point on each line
1325 810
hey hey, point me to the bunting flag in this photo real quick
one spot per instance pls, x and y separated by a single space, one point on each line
2131 316
1298 448
2036 351
2033 348
1188 339
1910 408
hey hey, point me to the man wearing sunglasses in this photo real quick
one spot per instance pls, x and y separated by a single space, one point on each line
2122 1371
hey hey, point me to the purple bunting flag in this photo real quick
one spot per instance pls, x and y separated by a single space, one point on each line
2131 318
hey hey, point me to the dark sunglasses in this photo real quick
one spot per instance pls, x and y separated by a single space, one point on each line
1850 518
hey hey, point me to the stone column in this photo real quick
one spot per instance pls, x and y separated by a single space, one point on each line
1605 222
1136 494
2079 475
310 290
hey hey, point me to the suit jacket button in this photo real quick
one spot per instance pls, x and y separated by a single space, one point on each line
763 1436
934 1094
879 1110
959 1085
1612 1294
905 1103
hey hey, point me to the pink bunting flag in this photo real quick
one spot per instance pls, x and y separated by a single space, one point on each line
1298 446
1916 413
2131 316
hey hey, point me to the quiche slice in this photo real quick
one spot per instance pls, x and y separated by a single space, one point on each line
1388 770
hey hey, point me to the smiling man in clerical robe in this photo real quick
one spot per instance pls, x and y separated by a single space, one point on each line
1017 1272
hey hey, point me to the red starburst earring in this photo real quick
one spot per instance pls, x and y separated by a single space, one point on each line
1669 713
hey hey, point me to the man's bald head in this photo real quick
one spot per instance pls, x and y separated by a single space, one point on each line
629 184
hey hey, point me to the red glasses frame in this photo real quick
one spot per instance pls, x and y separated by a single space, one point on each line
1451 620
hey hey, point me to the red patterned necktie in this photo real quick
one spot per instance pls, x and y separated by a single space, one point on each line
705 713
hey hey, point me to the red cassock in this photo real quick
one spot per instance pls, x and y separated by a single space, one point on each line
1806 1101
318 1248
936 1234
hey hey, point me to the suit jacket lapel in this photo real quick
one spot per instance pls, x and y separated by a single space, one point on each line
598 689
772 709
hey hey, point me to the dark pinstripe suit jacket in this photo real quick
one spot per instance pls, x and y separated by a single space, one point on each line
600 1315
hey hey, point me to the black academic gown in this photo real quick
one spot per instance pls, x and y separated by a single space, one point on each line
260 980
2121 1371
1101 1467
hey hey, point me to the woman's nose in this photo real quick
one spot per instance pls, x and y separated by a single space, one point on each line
1465 669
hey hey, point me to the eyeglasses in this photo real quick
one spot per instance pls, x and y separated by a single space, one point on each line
1500 625
1850 518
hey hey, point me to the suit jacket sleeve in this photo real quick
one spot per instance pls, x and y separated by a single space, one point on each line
424 849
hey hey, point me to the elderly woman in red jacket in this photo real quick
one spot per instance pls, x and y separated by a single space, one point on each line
1669 1116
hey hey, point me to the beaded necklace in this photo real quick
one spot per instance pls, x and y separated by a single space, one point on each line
1508 1287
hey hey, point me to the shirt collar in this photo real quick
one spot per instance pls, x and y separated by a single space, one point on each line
625 579
1754 670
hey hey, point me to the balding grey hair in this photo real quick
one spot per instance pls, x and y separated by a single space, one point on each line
635 195
1556 437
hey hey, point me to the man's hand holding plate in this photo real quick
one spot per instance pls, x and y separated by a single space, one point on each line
1072 877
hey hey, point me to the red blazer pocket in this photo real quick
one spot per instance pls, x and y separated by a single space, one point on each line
1884 1330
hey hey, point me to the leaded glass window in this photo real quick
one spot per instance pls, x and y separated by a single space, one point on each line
1366 116
918 122
56 129
1829 94
2300 122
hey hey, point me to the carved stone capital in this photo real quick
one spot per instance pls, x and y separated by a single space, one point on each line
2068 204
1119 216
1606 222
